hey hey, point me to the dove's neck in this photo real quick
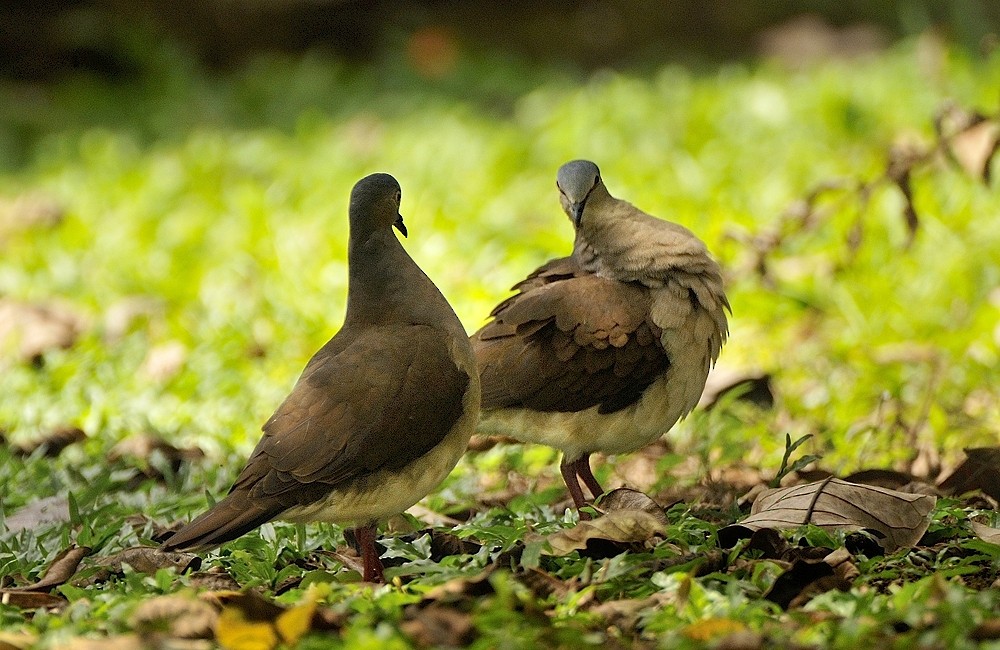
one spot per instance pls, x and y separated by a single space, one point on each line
386 286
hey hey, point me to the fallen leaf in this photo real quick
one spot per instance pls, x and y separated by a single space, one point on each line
972 139
463 587
769 543
30 599
28 331
753 387
60 570
54 509
885 478
986 533
616 530
438 626
51 444
897 518
629 499
444 544
625 614
145 450
177 616
248 622
215 579
163 362
143 559
809 577
293 623
979 471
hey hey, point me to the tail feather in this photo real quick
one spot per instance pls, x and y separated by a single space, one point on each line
228 519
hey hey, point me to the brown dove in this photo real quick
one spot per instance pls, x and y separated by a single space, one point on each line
381 413
604 350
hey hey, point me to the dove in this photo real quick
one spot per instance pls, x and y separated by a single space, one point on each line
606 349
381 413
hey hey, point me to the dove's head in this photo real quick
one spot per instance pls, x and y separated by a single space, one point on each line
577 181
375 205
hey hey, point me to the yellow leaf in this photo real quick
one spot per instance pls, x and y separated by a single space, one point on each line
234 632
712 628
295 622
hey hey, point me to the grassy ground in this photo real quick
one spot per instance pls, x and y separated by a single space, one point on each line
201 253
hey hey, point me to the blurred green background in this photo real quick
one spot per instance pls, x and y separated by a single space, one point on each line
175 177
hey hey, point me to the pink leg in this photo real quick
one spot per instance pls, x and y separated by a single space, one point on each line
369 555
584 472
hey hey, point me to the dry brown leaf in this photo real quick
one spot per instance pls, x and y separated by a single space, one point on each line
629 499
60 571
141 448
163 362
27 331
49 510
143 559
52 443
986 533
979 471
30 599
615 529
185 618
753 387
899 519
884 478
809 577
438 626
971 139
456 589
625 614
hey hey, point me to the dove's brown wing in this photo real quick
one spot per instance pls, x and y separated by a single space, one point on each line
375 401
567 342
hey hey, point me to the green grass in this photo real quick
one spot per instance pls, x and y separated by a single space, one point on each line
221 201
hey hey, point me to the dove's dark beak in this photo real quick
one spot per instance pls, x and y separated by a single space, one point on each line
399 224
576 211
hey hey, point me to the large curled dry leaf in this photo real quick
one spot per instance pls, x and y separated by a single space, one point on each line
60 571
629 499
616 527
899 519
144 559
